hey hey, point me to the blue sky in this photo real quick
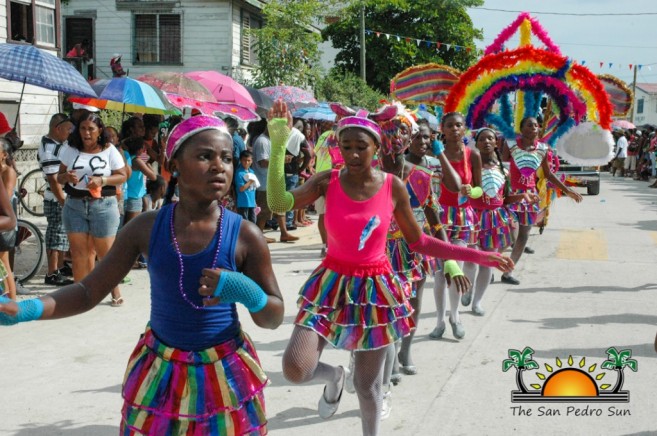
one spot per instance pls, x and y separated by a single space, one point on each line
621 40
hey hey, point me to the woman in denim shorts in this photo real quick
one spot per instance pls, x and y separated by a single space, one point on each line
90 169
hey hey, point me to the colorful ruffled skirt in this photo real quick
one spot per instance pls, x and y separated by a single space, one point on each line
526 214
496 228
216 391
409 265
356 307
460 224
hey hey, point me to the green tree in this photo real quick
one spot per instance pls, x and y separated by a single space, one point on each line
349 89
287 44
444 21
521 360
617 361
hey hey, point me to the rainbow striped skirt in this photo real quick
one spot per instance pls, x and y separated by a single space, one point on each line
496 228
405 263
460 224
526 214
216 391
356 307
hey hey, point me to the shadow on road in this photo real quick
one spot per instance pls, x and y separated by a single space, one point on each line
638 350
618 318
115 389
591 289
66 428
302 416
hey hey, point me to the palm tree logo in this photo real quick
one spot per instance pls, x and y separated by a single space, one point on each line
617 361
522 361
570 381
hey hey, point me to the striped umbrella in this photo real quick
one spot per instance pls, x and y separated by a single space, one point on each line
428 83
127 95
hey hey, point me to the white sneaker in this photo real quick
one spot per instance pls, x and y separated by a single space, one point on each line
386 405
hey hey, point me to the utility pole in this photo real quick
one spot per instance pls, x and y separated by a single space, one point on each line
633 95
362 43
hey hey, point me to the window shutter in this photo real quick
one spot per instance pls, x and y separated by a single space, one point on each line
246 38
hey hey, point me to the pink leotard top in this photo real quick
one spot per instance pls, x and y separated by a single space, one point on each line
462 167
357 230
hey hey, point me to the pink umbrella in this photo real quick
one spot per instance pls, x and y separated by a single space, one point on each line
210 108
224 88
622 124
296 98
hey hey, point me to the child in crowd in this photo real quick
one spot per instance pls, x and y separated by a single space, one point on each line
155 191
246 184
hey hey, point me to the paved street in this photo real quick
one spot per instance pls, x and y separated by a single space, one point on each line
590 285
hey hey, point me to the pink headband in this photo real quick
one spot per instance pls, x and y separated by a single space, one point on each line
191 127
359 122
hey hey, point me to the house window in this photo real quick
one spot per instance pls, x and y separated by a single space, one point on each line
157 39
248 55
639 106
33 21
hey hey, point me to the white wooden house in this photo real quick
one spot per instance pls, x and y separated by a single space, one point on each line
163 35
23 22
645 104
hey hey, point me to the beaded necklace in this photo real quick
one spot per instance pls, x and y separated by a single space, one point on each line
180 256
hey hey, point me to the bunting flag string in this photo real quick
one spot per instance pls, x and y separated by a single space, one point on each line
419 41
447 46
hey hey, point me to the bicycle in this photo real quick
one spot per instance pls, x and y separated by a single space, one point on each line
31 191
29 251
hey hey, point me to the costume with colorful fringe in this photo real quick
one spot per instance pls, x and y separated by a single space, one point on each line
495 220
215 391
210 389
577 118
353 299
460 221
524 165
407 264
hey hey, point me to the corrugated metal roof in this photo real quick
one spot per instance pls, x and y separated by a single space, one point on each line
650 88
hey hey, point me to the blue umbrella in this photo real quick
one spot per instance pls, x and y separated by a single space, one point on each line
321 113
28 64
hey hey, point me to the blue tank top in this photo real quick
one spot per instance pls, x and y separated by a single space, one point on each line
174 321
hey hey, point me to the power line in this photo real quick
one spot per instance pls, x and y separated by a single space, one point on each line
568 13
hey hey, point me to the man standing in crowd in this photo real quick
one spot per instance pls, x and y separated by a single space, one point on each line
53 199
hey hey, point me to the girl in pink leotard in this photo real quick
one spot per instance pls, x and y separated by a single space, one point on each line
353 300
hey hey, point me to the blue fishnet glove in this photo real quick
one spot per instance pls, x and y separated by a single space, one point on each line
438 147
234 287
28 310
278 199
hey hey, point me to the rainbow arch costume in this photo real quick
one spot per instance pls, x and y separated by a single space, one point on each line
578 127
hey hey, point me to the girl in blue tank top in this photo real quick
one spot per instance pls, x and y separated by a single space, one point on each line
193 371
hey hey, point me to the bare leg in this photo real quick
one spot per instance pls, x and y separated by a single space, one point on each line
9 280
102 246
